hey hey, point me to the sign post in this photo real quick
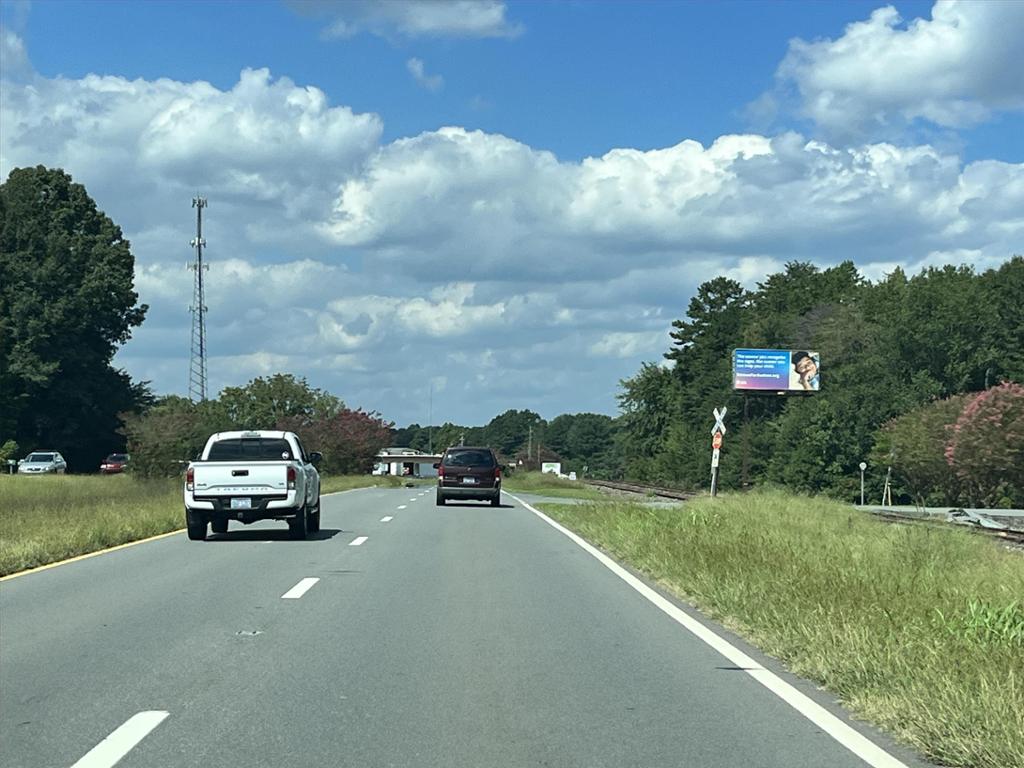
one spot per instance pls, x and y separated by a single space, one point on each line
717 433
863 466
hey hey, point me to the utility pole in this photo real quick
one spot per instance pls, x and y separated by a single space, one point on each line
430 422
197 361
529 445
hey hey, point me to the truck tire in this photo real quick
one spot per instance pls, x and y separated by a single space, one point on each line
314 518
298 528
195 523
220 525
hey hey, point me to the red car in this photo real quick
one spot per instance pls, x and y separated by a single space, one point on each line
114 463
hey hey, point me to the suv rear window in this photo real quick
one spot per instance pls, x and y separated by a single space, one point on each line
469 459
250 449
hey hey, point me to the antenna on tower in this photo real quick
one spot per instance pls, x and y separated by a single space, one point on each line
197 364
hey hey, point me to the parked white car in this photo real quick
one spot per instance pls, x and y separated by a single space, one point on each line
42 463
250 476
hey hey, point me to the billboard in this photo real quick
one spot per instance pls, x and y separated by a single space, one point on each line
776 370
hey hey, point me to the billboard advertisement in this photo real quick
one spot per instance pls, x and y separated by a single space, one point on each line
776 370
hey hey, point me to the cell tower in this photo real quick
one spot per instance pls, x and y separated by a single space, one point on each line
197 365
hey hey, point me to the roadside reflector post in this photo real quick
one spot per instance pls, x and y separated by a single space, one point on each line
717 434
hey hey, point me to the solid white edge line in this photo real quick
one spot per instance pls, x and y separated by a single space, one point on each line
300 589
850 738
119 743
387 519
358 541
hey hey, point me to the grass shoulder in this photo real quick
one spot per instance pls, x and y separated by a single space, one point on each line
916 629
547 484
47 519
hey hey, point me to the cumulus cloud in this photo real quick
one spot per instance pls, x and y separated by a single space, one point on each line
265 144
954 70
418 71
412 18
520 280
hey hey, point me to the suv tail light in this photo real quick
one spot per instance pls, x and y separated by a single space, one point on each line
497 473
291 478
440 471
190 479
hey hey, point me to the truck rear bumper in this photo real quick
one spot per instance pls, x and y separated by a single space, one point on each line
261 508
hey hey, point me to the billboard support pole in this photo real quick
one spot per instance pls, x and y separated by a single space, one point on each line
745 480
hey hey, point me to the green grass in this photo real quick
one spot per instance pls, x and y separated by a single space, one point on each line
547 484
46 519
335 483
918 630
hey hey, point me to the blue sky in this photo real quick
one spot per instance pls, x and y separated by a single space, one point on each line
509 200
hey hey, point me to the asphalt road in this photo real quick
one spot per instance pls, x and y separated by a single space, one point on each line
455 636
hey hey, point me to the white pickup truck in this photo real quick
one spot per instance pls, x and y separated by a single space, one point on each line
250 476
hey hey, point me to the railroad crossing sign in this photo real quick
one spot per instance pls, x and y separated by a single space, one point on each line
719 421
716 443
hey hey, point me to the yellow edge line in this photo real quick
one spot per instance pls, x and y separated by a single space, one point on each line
87 555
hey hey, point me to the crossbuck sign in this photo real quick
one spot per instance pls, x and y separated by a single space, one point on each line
719 421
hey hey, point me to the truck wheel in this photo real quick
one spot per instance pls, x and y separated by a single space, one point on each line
196 525
314 518
298 528
220 525
440 499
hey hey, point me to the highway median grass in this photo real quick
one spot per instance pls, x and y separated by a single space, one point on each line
918 630
47 519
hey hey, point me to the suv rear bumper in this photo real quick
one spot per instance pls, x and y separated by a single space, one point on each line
484 493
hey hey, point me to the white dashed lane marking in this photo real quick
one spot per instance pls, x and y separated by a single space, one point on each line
299 589
387 519
401 506
119 743
358 541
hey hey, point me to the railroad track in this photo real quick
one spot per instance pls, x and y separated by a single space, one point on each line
1011 536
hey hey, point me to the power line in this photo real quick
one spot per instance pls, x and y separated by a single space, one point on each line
197 361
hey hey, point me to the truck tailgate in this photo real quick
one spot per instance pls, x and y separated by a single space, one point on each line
257 478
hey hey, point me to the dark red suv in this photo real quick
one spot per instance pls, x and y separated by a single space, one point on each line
469 473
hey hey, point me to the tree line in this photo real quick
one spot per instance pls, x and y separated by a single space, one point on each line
944 347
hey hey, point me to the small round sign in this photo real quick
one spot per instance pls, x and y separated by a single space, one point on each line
863 466
716 441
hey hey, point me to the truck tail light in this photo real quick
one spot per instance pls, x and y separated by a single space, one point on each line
190 479
291 478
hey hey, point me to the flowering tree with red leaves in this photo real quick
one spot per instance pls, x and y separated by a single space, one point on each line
986 447
349 440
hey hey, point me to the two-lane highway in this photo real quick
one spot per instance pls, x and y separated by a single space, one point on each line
404 634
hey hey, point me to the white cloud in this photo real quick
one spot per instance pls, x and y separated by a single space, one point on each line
413 18
418 71
518 280
953 70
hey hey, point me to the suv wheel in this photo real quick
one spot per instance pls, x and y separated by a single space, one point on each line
496 499
440 498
